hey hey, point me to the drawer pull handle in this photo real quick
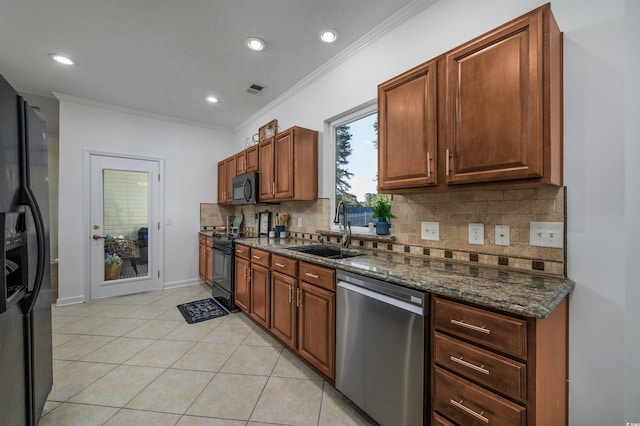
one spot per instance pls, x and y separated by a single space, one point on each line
469 365
478 416
290 294
470 326
311 275
257 257
281 265
239 251
298 297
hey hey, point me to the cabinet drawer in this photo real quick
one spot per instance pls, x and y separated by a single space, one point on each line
496 331
468 404
261 257
497 372
438 420
242 251
317 275
286 265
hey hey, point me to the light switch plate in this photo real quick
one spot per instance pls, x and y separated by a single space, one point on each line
476 234
299 224
430 231
546 234
502 235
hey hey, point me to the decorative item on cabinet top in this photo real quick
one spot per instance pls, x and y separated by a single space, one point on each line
268 130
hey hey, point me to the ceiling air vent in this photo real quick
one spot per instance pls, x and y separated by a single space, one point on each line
254 89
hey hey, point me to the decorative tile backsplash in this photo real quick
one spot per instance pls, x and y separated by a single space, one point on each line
453 210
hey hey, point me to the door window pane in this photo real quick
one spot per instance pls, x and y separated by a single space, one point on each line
126 223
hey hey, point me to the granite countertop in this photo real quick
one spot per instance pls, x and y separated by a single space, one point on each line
520 293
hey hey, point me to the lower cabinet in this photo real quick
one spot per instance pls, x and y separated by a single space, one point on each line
202 253
205 269
493 368
260 290
296 302
316 327
241 277
284 307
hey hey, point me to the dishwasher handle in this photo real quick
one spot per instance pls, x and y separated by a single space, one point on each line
416 309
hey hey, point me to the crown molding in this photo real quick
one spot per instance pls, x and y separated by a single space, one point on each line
133 111
407 12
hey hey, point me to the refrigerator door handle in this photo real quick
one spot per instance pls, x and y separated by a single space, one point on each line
28 199
31 202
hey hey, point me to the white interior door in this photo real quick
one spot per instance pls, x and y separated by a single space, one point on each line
124 232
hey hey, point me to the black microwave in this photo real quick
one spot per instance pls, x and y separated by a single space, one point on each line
245 189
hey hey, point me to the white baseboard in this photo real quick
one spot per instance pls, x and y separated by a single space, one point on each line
185 283
64 301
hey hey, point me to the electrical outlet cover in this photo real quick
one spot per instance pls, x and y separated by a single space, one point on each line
546 234
502 235
476 234
430 231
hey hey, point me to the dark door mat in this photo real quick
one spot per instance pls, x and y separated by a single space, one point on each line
201 310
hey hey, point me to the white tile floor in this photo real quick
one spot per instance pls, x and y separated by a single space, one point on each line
134 360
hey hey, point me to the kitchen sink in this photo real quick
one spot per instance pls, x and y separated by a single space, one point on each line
326 251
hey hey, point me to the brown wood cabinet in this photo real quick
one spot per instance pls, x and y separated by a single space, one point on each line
407 108
491 367
316 326
226 173
205 258
303 311
247 160
260 287
491 113
242 270
299 308
202 264
289 166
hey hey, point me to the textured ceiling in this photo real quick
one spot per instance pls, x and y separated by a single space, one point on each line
165 56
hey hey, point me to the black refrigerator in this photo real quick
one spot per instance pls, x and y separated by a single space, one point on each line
26 372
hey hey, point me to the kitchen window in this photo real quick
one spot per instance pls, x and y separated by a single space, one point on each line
355 149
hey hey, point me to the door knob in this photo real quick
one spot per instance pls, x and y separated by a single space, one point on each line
97 237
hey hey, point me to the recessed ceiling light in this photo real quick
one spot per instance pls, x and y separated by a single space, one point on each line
255 43
211 99
61 59
328 36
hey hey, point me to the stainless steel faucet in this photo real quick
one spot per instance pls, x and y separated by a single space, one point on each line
346 225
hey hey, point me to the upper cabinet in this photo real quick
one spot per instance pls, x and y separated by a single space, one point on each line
226 173
247 160
408 128
289 166
486 114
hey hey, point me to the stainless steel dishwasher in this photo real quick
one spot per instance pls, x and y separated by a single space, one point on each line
380 348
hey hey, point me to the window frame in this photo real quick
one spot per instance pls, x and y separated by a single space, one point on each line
347 117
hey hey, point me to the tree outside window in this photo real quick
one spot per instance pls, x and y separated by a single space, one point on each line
356 168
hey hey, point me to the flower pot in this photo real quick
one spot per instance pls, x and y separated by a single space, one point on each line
382 227
112 272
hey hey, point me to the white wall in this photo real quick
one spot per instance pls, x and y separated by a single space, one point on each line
595 173
190 154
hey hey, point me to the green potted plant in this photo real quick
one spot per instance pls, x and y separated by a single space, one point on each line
382 211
